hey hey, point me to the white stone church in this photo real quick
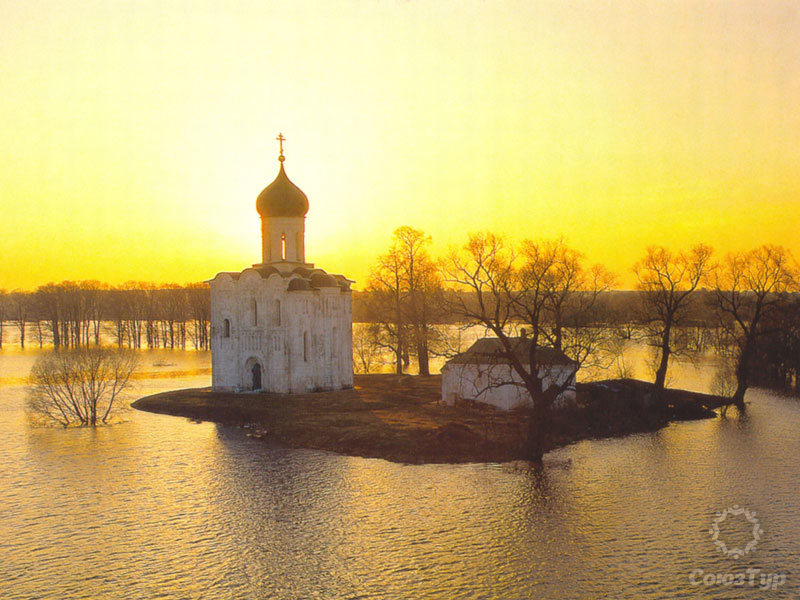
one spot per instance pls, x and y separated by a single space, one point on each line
282 325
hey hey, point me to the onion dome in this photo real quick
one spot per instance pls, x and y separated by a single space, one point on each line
282 198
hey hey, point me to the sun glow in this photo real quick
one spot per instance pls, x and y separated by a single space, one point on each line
135 138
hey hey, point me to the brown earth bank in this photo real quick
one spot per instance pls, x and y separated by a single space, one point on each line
400 418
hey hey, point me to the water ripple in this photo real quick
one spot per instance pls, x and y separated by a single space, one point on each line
160 507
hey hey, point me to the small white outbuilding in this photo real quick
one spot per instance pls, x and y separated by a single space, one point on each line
484 374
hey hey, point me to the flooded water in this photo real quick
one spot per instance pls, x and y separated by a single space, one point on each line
160 507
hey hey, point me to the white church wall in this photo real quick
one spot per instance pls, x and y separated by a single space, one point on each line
346 341
302 340
223 307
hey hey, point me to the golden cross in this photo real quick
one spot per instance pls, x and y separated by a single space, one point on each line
281 139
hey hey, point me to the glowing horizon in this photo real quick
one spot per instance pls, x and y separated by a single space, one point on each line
136 138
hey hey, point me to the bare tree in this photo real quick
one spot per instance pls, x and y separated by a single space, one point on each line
93 293
36 320
616 353
404 296
422 290
199 306
79 386
19 304
750 288
172 307
49 299
668 281
74 302
366 349
505 289
387 289
574 317
776 363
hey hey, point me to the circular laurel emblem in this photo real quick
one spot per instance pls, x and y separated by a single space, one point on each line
735 551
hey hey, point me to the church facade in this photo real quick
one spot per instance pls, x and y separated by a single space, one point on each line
281 325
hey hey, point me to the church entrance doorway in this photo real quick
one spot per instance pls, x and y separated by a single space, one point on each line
256 372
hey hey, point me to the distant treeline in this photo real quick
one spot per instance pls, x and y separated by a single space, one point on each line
146 315
134 315
73 313
614 307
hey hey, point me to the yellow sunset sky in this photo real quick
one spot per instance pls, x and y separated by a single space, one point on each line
135 136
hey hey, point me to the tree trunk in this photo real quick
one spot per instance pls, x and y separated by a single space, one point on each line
742 370
422 359
557 342
54 328
538 425
661 373
741 388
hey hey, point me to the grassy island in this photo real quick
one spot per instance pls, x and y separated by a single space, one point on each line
400 418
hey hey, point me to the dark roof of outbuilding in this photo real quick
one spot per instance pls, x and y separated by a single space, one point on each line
490 351
282 198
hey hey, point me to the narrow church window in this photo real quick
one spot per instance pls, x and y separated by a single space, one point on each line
226 328
305 346
255 313
283 246
278 313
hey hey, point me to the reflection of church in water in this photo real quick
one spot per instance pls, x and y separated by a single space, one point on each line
281 325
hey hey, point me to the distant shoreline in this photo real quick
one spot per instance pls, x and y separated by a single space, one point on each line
399 418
